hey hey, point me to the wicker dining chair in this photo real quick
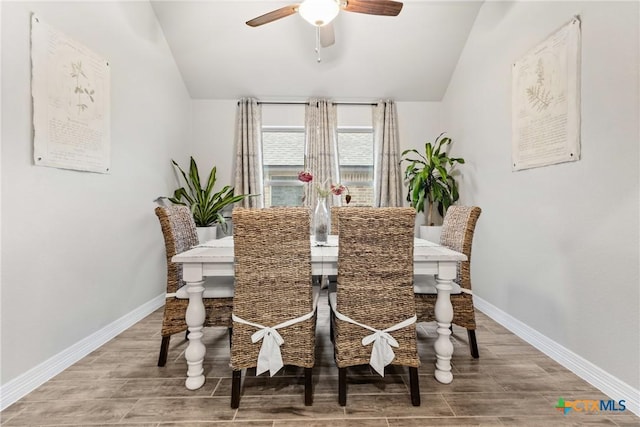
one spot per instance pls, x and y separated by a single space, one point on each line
179 231
335 230
335 225
457 234
274 295
374 293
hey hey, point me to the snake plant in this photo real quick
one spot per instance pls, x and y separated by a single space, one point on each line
205 205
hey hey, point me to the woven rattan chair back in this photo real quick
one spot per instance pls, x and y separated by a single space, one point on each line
335 229
375 284
457 233
179 232
458 230
273 284
335 225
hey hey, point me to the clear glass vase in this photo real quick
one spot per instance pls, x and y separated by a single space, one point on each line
321 221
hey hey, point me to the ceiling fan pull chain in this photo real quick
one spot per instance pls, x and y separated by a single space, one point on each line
318 43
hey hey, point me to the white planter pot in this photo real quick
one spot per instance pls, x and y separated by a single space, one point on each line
207 233
431 232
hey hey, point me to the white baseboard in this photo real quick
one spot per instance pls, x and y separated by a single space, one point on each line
597 377
19 387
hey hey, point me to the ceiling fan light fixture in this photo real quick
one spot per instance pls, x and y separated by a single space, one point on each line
319 12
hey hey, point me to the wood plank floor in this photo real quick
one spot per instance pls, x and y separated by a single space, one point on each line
512 384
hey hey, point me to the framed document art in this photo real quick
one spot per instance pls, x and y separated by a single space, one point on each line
546 101
70 87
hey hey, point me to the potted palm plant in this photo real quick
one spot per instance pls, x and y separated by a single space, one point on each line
431 183
205 204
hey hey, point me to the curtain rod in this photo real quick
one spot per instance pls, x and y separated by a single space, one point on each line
305 103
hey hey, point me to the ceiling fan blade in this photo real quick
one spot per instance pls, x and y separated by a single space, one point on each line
273 15
327 35
374 7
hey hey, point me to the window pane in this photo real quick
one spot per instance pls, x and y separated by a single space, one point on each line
355 151
282 158
282 195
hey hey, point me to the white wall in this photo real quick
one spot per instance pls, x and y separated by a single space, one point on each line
557 247
419 123
80 250
214 127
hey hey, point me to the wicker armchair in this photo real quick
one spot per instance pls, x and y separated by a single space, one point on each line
179 231
375 294
274 295
457 234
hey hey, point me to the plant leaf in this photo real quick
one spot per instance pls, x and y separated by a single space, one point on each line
205 205
429 180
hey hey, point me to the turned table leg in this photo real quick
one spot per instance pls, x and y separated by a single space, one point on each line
195 352
444 316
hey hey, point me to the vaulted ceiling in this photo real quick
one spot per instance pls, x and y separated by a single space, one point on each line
409 57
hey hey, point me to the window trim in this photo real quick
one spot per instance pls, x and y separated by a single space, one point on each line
283 129
355 129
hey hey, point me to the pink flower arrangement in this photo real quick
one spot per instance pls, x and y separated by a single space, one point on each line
335 189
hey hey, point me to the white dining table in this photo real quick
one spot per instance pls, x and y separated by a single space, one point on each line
215 258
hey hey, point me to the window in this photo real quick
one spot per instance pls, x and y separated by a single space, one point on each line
283 158
355 157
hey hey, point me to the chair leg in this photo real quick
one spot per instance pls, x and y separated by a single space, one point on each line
342 386
331 320
164 350
235 389
415 386
230 330
308 386
473 344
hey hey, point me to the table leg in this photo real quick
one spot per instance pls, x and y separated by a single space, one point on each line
443 345
195 352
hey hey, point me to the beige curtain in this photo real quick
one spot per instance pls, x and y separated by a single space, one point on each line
386 169
249 178
321 148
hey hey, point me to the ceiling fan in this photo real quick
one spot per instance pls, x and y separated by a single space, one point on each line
320 13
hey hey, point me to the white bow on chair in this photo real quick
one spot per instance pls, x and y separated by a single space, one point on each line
270 356
381 353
